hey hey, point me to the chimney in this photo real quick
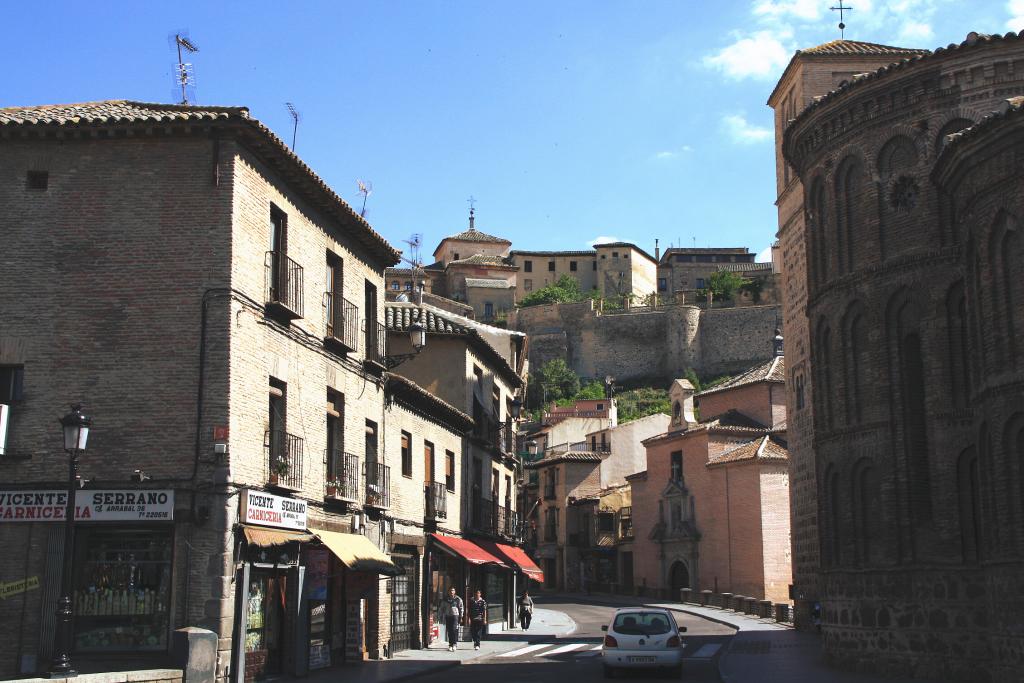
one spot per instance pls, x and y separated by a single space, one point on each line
684 399
657 251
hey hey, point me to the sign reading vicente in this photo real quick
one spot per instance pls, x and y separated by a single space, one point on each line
266 509
90 506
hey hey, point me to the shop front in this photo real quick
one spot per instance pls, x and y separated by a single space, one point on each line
523 568
122 566
468 567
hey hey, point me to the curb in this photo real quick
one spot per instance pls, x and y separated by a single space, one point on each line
433 669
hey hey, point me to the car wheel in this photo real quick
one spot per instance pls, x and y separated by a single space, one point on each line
609 672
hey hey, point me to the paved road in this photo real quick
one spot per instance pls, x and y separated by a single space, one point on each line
577 655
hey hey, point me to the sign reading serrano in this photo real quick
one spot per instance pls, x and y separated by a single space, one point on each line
266 509
91 506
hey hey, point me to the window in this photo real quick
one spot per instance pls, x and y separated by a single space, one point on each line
449 470
456 256
428 463
700 283
604 256
495 484
662 284
528 285
527 266
406 454
488 310
335 432
496 403
335 297
676 465
593 265
508 491
605 522
551 266
395 285
12 378
800 403
408 285
374 340
615 254
37 180
572 266
705 258
682 257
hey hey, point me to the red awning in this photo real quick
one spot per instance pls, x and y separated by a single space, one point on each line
467 550
515 556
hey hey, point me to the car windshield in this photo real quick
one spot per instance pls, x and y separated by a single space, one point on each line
641 623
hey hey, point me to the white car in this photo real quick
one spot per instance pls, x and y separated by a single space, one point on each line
643 637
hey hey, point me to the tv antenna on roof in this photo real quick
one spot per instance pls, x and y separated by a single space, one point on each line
185 75
414 242
296 117
842 25
365 189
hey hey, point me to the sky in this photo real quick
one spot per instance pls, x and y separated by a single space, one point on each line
568 121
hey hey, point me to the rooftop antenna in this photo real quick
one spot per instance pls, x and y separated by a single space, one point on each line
185 75
414 242
842 25
365 189
296 117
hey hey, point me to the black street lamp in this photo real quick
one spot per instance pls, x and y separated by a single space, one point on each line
418 340
76 433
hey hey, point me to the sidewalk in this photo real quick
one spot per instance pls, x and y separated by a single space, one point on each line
762 651
411 663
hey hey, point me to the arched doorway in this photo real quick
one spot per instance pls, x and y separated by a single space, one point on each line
678 577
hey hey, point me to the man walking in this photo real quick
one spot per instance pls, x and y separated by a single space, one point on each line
451 610
477 618
525 611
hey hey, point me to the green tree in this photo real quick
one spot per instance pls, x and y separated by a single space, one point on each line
566 290
555 381
724 283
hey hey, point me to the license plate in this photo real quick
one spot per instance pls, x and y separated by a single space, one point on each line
641 660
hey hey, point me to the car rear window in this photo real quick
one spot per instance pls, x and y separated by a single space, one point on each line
641 623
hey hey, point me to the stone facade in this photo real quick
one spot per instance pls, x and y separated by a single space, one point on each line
914 256
647 344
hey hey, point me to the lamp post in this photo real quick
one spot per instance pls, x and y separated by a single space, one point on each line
418 339
76 433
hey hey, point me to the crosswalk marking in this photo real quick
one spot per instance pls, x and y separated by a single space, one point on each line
525 650
560 650
706 651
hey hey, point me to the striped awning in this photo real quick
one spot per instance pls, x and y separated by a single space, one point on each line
265 537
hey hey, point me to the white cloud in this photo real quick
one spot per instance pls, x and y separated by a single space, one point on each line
764 256
742 132
667 154
807 10
758 55
916 31
602 239
1016 10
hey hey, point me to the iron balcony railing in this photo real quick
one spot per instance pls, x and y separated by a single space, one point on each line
284 452
342 475
436 500
579 447
483 516
284 281
342 322
376 343
508 522
378 484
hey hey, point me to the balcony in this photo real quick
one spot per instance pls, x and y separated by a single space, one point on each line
342 323
283 285
284 452
436 500
376 343
342 476
378 485
483 516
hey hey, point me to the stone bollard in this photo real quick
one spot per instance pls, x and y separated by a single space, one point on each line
782 612
705 598
684 594
766 609
726 599
751 606
195 652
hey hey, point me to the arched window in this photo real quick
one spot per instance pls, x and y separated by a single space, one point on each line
823 363
677 412
969 504
849 190
832 543
865 498
818 244
1013 451
1011 252
915 432
959 362
855 362
395 286
898 175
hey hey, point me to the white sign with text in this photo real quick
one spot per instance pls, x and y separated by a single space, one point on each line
266 509
90 506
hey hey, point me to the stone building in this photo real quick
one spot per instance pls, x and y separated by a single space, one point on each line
614 269
811 73
912 197
710 511
687 269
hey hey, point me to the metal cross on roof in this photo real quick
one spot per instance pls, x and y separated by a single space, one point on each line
842 25
472 202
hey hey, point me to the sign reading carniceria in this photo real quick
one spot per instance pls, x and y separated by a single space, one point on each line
266 509
90 506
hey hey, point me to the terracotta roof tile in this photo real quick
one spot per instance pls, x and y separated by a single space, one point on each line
773 370
857 47
129 112
480 260
744 267
765 448
1009 108
398 317
571 456
486 283
474 235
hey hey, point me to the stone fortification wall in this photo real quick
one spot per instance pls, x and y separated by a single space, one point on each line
647 343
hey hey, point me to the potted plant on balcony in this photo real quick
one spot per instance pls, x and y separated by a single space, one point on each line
332 488
278 470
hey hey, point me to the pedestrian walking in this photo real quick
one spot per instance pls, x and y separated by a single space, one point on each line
477 618
525 611
451 610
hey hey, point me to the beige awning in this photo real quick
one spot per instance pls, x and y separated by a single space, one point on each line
264 537
357 553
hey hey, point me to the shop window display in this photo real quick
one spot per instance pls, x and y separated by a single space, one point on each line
122 594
